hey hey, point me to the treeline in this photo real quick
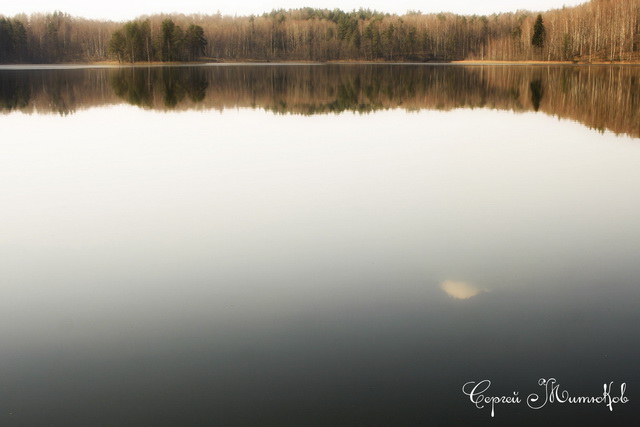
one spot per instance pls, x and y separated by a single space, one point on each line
600 30
135 42
601 97
13 40
53 38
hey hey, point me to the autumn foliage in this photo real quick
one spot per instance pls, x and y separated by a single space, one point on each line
600 30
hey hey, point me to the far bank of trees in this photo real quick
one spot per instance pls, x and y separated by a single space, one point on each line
135 41
53 38
600 30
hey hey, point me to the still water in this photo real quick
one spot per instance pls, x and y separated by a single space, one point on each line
318 245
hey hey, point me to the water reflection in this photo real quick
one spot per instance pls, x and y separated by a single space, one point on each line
460 290
537 91
190 269
600 97
141 87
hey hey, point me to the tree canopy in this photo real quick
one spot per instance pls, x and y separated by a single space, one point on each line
134 42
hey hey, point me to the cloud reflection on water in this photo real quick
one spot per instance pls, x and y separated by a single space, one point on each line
461 290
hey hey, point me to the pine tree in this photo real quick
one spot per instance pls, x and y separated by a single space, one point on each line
118 45
538 33
195 41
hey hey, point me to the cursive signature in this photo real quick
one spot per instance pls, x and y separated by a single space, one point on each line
479 396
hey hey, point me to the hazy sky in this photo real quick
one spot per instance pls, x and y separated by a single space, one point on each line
123 10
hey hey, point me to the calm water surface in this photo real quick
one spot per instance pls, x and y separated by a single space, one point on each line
317 245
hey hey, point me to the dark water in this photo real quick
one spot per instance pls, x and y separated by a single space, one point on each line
318 245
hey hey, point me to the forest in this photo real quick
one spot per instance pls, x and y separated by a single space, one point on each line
597 31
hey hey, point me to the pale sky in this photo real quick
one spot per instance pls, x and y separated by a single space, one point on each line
124 10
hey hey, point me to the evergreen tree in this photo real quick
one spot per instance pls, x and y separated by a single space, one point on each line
537 39
7 45
134 41
118 45
167 40
195 41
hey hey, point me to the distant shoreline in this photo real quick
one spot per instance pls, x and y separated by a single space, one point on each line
116 64
596 32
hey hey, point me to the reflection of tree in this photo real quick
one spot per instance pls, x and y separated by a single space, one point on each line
134 86
15 93
197 85
602 97
53 91
537 91
173 87
137 86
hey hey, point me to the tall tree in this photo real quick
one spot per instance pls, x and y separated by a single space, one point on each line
195 41
167 39
7 43
134 41
537 39
118 45
172 41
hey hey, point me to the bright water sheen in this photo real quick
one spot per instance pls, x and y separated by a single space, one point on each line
317 245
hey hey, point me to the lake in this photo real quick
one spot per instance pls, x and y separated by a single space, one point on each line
319 245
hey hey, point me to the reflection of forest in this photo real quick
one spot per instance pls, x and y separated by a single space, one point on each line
601 97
